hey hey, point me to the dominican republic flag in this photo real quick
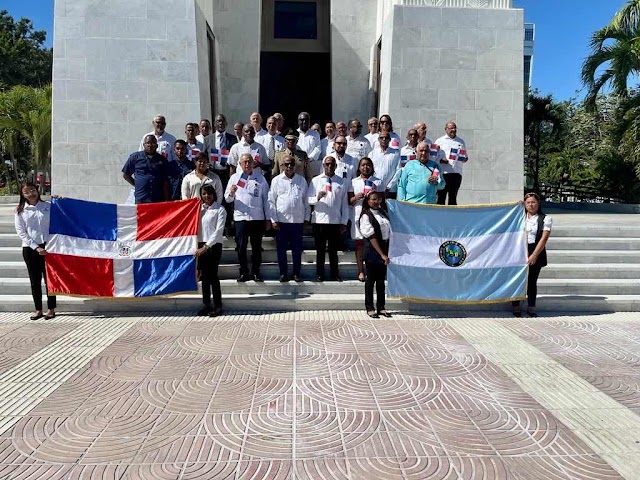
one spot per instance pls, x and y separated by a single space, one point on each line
256 158
369 186
406 158
193 154
462 155
242 181
394 143
108 250
457 255
454 153
327 185
219 156
434 148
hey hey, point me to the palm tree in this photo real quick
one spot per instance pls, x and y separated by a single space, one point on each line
616 48
541 120
26 111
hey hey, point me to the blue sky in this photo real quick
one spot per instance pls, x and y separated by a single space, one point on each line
563 28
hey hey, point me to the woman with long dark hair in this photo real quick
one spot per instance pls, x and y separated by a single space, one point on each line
375 228
361 185
538 229
32 226
209 252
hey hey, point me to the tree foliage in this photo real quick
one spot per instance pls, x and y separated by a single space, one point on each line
23 58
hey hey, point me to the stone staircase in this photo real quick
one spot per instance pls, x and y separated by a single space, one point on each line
594 266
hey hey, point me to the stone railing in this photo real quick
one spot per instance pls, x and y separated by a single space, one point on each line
457 3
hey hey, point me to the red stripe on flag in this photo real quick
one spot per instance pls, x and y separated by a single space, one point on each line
168 219
68 274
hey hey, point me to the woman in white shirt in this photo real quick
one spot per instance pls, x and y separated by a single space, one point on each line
538 228
364 183
32 226
210 238
375 228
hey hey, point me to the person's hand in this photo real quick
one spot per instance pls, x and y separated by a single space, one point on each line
433 180
359 196
532 259
233 190
321 194
386 260
201 251
444 160
275 226
343 228
267 224
41 251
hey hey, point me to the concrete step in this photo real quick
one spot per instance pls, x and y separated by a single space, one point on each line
241 302
588 231
593 257
10 240
587 286
593 243
594 271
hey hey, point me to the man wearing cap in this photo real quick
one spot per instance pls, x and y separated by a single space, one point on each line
289 207
302 167
328 195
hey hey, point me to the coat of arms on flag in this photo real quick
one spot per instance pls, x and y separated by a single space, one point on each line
108 250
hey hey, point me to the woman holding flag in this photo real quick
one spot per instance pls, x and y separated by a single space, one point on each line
363 184
32 226
375 228
538 229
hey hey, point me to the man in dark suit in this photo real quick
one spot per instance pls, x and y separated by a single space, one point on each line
221 141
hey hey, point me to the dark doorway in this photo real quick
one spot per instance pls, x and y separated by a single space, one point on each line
292 82
295 60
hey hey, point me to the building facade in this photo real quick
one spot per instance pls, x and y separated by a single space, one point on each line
529 38
119 63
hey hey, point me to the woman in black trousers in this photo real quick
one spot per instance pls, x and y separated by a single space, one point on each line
209 252
538 229
375 229
32 226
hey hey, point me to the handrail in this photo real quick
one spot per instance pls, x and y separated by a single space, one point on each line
502 4
575 193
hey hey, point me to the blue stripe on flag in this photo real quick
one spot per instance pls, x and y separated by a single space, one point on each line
81 219
459 222
450 285
163 276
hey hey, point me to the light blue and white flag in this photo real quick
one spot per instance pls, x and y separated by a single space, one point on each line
459 255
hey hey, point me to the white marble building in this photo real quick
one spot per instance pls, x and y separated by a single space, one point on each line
117 63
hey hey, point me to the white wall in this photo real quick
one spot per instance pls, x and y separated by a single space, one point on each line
116 65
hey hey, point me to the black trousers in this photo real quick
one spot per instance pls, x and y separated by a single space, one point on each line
453 182
376 273
36 269
249 231
532 281
208 266
324 233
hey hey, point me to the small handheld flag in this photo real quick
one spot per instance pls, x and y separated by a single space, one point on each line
224 157
454 153
242 181
462 155
193 154
434 148
327 185
369 186
406 158
256 158
214 155
435 172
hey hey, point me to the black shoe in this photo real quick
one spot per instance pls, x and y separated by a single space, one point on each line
297 278
373 314
319 278
284 279
336 278
243 278
531 311
258 278
36 316
204 311
517 312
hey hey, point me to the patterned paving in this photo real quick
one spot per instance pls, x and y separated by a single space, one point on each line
319 395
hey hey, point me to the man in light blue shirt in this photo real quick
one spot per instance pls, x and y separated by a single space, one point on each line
420 179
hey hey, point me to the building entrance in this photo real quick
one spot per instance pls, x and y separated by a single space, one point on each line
295 62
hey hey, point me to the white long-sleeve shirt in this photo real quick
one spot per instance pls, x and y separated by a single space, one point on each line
250 202
32 224
345 167
191 185
212 224
385 165
310 143
446 144
288 200
333 208
256 150
367 228
358 147
165 144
